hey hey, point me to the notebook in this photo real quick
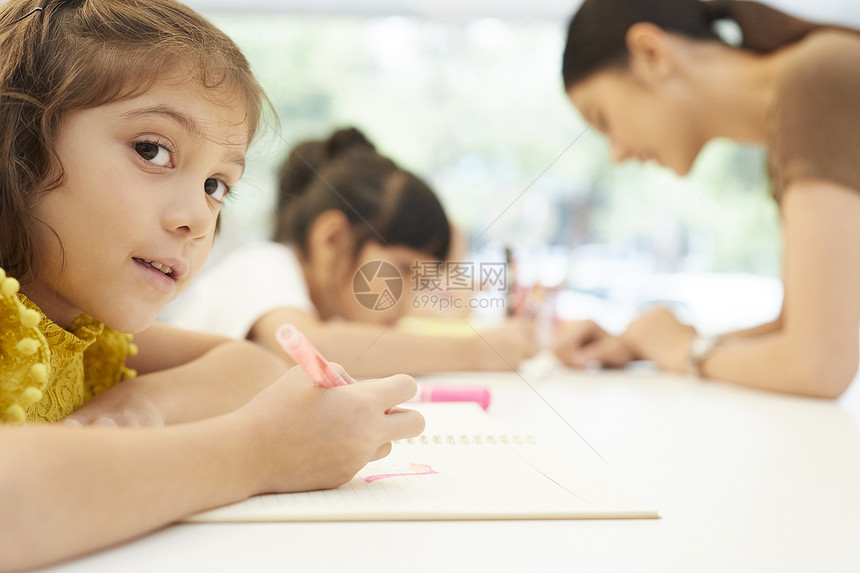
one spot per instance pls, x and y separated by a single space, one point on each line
461 468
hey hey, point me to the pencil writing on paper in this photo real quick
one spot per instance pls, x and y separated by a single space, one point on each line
417 470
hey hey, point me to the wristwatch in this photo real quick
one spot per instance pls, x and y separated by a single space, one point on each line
700 349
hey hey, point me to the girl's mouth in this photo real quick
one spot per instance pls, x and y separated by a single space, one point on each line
156 265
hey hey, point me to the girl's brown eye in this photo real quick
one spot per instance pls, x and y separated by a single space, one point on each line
215 189
147 150
153 153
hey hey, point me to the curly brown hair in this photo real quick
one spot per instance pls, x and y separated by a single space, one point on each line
68 55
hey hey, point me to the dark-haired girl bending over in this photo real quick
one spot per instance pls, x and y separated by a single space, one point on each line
343 207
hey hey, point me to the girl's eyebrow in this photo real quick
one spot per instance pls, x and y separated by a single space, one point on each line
186 122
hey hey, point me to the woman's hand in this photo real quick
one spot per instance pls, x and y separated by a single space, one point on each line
307 437
581 343
657 335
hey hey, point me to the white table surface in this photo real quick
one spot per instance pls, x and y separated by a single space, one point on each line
743 480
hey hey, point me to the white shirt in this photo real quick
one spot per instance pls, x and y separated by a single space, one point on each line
232 296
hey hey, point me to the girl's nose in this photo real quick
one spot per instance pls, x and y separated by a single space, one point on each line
190 212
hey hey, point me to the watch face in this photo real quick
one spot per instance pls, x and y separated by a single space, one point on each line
703 345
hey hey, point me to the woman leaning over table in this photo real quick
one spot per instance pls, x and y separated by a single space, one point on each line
658 82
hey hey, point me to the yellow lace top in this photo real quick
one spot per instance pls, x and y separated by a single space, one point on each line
47 372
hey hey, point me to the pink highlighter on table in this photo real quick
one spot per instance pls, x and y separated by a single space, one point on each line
309 358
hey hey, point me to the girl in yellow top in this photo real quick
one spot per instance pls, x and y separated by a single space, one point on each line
123 125
653 76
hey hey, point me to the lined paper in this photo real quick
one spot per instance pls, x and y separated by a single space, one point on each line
452 472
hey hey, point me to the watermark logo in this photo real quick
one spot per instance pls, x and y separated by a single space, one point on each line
377 285
459 285
458 276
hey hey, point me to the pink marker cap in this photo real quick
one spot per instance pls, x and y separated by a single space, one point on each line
478 394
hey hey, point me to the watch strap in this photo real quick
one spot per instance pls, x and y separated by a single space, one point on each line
700 349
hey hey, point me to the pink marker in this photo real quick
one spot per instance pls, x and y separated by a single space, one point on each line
478 394
309 358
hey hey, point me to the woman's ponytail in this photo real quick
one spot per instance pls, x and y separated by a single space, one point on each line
764 29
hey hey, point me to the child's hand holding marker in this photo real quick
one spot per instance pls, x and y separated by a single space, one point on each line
307 437
303 352
324 375
321 372
304 437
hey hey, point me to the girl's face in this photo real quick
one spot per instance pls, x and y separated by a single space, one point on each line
134 219
642 120
405 260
